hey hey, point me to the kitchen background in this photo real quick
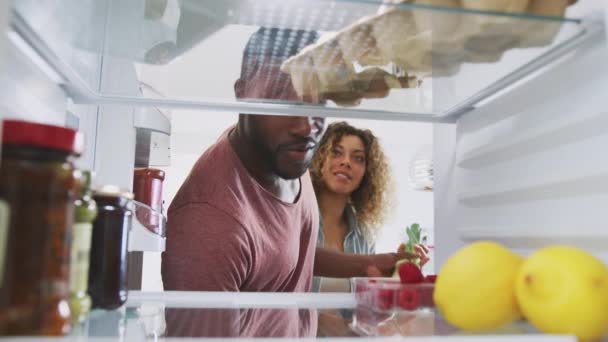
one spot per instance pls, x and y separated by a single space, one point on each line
193 132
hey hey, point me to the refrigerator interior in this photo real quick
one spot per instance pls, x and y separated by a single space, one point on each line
517 142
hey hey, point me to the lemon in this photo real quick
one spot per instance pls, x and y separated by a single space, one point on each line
475 289
564 290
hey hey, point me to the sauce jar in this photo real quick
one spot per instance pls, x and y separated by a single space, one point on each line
109 248
85 213
39 184
148 189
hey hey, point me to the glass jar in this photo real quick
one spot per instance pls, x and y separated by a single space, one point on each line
109 248
148 189
39 184
85 213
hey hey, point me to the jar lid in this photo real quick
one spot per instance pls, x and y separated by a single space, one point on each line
154 173
113 191
15 132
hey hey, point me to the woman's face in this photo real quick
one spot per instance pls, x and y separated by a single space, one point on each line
345 165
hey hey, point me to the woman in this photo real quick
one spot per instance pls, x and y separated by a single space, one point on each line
351 178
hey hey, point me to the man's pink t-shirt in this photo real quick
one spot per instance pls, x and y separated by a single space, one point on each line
227 233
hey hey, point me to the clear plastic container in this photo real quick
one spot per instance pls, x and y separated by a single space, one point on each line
385 307
388 294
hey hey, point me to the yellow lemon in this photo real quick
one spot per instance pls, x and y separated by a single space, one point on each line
564 290
475 289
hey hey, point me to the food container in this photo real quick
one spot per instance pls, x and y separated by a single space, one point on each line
148 189
85 213
108 261
385 307
38 187
388 294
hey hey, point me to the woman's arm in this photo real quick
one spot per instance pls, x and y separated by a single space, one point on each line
330 263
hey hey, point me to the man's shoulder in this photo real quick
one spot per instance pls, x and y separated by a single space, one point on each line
216 179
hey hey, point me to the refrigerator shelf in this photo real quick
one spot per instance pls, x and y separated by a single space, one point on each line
437 62
199 316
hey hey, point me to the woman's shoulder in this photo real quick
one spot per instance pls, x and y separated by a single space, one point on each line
362 244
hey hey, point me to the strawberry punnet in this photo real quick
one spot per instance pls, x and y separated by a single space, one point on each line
386 299
409 273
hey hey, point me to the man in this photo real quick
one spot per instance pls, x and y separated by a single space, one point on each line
246 218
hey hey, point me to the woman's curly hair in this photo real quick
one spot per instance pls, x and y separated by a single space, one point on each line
372 198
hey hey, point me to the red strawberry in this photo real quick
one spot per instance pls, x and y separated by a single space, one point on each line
409 273
431 278
386 299
409 299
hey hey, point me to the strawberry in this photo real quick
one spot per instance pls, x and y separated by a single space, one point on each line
409 273
409 299
431 278
385 299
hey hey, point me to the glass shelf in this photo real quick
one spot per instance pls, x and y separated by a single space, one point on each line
412 61
194 316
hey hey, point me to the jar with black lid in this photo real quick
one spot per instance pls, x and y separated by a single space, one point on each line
109 248
39 184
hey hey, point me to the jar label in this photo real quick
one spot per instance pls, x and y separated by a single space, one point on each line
4 218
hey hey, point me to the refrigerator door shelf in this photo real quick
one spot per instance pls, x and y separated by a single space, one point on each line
147 230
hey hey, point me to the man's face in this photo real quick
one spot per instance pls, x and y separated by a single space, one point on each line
286 143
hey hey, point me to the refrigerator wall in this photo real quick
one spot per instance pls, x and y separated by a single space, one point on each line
528 169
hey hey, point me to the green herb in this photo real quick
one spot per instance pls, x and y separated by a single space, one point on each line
415 237
414 234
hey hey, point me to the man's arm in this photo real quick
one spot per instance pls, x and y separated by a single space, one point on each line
207 250
334 264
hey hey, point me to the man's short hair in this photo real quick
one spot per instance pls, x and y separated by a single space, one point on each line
272 46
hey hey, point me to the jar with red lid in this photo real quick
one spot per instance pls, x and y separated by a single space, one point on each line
39 184
109 248
148 189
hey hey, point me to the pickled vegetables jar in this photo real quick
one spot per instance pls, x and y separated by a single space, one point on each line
39 184
85 213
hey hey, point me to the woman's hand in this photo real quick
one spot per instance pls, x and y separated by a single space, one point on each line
383 265
421 252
